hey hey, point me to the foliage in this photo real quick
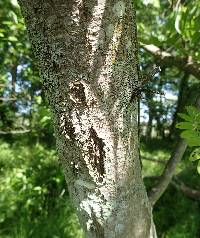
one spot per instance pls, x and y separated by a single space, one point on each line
34 200
19 79
191 133
175 216
173 25
154 149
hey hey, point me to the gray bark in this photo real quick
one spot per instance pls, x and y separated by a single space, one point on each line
87 55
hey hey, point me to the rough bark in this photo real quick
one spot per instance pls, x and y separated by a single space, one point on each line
87 55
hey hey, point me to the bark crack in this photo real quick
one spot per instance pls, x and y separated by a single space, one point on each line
97 152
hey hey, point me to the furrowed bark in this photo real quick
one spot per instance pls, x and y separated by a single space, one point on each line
87 55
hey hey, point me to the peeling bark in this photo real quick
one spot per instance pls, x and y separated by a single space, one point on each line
87 55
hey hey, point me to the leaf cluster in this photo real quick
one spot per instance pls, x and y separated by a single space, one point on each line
191 131
33 194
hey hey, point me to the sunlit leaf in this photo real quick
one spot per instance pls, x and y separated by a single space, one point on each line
185 117
195 155
198 167
177 23
185 125
45 120
193 141
189 134
192 111
12 38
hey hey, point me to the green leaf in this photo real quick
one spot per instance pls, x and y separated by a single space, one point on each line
38 99
45 120
192 111
189 134
193 141
12 38
195 155
177 23
198 167
185 117
185 125
156 3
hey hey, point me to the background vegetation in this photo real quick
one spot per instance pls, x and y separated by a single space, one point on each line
34 200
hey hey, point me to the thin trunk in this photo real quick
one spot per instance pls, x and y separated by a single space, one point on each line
159 127
149 125
151 109
13 87
87 54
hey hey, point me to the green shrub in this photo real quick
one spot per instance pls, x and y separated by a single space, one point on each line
33 196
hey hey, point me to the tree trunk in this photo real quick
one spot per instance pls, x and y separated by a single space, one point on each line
149 126
87 55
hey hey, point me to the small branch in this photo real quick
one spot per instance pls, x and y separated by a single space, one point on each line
168 172
8 99
152 177
190 192
14 132
155 160
179 185
183 63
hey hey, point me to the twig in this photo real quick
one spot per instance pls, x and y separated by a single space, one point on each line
190 192
14 132
155 160
8 99
179 185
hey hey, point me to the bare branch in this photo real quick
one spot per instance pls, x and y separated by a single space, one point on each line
179 185
190 192
8 99
155 160
186 64
14 132
168 172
